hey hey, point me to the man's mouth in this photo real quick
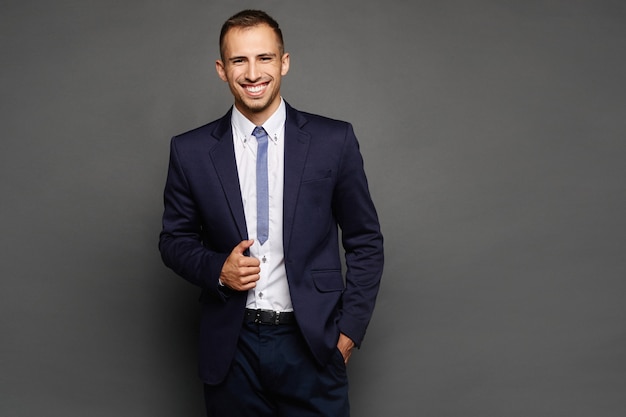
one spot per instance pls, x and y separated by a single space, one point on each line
256 89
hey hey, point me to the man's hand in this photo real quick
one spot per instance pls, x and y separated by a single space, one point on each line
345 346
240 272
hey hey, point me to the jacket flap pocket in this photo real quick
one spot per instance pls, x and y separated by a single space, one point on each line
330 280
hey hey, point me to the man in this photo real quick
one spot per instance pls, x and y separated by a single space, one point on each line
253 203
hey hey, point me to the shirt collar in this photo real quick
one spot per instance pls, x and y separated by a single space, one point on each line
273 126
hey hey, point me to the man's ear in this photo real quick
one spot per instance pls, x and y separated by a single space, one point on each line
284 64
221 70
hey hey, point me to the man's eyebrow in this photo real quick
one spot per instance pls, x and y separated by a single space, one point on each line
264 54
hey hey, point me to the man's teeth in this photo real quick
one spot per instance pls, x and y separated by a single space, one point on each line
255 88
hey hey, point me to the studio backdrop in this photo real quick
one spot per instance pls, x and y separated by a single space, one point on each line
494 138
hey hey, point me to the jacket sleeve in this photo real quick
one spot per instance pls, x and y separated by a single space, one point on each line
362 241
181 239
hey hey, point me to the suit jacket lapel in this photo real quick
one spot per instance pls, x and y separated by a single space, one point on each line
296 149
223 157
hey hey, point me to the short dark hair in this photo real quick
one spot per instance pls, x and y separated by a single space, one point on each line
249 18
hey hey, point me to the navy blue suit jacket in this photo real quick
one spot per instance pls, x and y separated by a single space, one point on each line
325 188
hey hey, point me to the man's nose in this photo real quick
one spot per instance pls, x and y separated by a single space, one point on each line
252 72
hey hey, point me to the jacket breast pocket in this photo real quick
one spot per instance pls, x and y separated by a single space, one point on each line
317 175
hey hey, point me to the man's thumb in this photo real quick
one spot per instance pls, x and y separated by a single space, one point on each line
243 246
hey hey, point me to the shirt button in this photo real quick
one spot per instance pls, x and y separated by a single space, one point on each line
260 295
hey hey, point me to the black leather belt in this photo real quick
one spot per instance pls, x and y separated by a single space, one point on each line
269 317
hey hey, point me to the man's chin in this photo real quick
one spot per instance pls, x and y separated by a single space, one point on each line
256 105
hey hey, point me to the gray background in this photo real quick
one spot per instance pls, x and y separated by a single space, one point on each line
493 134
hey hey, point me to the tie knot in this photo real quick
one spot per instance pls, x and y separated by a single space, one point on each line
259 133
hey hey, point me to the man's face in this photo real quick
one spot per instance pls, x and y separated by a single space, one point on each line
253 66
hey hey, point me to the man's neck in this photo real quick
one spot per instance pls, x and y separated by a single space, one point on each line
259 118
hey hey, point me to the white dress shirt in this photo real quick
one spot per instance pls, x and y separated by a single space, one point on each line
272 290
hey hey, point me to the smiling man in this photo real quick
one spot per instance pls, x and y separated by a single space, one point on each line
253 206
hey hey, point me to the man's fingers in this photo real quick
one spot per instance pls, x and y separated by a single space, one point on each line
249 262
250 271
245 282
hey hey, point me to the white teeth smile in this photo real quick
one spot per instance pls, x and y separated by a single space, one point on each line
256 88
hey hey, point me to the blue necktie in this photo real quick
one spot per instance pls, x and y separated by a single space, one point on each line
262 194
